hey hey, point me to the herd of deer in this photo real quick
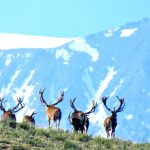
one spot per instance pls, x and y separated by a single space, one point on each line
78 119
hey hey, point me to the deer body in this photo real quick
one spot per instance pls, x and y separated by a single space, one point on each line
29 119
110 123
52 112
8 115
79 119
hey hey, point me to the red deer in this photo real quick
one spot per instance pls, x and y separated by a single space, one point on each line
10 113
79 119
110 123
29 119
52 112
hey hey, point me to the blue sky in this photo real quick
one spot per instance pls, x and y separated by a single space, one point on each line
68 18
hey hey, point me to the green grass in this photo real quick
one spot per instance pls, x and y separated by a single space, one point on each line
25 137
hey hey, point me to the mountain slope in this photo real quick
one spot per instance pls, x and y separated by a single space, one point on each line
108 63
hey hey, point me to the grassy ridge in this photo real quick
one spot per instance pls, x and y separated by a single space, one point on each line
24 137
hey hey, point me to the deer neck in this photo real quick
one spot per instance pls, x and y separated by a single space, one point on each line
113 117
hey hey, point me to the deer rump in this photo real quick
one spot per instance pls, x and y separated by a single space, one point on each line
53 113
80 121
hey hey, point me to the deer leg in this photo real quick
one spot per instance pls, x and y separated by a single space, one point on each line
110 135
49 122
107 131
113 133
55 124
58 123
85 129
82 130
107 134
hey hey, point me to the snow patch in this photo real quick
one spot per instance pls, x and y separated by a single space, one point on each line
103 84
109 33
6 90
117 87
82 46
62 53
129 116
128 32
12 41
8 59
91 69
28 55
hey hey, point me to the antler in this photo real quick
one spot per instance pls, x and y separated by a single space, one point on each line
122 104
60 98
14 110
94 105
1 104
42 98
104 99
69 118
33 114
72 104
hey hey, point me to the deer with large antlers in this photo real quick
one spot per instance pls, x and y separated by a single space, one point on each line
79 119
29 119
52 112
110 123
10 113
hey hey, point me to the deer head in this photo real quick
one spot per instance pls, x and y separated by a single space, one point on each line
119 109
60 98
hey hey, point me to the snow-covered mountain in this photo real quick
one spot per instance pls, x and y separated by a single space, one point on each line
108 63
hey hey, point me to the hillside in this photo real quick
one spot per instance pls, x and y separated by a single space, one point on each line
30 138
